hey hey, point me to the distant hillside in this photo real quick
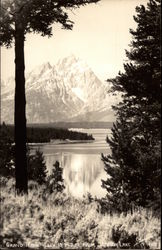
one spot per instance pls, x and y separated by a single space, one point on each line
74 125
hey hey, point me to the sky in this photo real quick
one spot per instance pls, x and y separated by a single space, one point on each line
100 36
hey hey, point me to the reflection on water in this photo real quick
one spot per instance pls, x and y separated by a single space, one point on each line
82 172
81 163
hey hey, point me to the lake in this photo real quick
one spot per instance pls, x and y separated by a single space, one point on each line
81 162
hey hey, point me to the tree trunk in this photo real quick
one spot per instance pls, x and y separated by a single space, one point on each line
20 114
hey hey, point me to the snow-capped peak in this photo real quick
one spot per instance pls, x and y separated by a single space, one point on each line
79 92
67 91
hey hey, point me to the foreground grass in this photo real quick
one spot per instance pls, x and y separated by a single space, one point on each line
60 221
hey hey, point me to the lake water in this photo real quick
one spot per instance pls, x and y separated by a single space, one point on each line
81 162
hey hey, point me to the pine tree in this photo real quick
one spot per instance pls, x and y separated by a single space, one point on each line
19 17
7 168
133 168
37 170
55 181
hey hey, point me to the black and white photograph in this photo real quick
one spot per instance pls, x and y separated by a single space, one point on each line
80 131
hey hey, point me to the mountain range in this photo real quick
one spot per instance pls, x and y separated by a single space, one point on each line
68 91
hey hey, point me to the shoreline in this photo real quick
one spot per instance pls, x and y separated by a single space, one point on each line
58 142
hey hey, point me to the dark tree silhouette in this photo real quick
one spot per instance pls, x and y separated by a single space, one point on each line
37 170
134 164
19 17
55 181
6 152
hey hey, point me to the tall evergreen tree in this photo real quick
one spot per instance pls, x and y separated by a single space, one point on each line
19 17
133 168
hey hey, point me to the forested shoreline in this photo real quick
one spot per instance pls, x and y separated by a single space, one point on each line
46 134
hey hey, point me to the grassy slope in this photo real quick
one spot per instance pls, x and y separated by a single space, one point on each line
58 220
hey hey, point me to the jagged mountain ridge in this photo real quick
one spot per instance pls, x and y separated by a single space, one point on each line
67 91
